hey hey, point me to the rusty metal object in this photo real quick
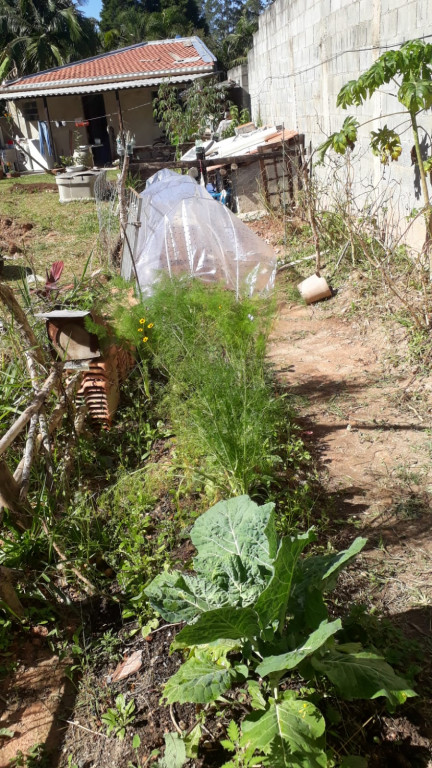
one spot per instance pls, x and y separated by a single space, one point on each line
101 383
102 371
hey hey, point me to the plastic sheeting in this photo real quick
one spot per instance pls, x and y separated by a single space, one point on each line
183 230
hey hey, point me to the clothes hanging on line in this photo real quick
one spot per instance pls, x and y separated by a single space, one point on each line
44 139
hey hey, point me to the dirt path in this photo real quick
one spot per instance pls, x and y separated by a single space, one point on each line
372 439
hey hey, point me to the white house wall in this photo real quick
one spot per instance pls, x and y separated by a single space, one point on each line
136 106
306 50
137 111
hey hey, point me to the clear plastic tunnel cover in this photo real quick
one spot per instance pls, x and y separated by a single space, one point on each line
183 230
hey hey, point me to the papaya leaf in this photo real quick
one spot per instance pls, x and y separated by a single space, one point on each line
416 94
363 675
292 659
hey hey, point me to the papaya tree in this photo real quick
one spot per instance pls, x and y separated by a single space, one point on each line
410 68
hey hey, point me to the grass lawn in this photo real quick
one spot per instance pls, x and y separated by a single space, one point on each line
60 232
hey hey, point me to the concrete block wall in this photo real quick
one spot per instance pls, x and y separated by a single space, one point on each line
305 50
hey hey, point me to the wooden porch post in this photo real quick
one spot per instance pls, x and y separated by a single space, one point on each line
47 118
119 112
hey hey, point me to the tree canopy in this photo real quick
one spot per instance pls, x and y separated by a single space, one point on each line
124 22
40 34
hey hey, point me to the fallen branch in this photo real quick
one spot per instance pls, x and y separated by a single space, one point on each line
297 261
9 300
56 416
83 728
43 426
33 408
28 457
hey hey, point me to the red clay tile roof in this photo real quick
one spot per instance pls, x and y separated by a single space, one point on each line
162 57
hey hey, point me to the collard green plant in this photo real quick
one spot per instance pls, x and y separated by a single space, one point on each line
256 615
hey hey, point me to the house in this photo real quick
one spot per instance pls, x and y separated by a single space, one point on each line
95 96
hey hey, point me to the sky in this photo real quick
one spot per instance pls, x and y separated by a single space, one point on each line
92 8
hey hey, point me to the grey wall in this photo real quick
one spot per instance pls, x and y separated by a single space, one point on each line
305 50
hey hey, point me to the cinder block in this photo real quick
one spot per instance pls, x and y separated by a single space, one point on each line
389 27
424 14
366 10
406 20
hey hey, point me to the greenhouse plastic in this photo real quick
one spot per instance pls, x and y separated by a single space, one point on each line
184 231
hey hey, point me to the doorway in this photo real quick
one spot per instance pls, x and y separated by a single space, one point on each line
94 111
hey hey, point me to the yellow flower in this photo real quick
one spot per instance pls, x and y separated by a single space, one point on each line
220 306
150 325
145 338
140 330
142 321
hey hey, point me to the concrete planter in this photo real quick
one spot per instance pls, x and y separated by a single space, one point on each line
76 186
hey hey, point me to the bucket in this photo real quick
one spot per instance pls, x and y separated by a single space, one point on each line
314 288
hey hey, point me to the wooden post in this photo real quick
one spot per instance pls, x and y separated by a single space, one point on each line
119 112
47 118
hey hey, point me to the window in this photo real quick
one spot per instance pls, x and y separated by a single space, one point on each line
30 111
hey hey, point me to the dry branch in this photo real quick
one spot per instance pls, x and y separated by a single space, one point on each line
34 407
41 416
28 457
56 416
9 300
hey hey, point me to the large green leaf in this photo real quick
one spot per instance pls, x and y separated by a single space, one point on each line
318 574
179 597
234 528
272 603
223 623
416 95
290 660
363 676
175 752
292 725
199 680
